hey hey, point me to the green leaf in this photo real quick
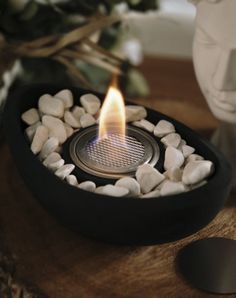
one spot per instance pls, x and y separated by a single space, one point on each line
143 5
136 84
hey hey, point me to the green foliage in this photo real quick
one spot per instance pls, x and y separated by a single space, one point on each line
36 20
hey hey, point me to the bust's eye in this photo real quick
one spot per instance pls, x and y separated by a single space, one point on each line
202 37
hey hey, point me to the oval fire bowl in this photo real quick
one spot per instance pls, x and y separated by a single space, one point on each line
131 221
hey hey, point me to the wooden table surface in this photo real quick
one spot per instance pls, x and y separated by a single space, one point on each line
65 265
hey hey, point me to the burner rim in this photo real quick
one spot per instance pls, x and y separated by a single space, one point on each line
81 139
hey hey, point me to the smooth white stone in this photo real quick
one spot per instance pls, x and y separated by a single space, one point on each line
78 112
163 128
174 174
112 190
91 103
196 171
87 120
48 147
70 119
153 194
173 158
172 188
51 158
135 113
99 190
56 128
172 139
50 105
30 131
59 149
64 171
181 144
197 185
145 124
31 116
87 185
72 180
69 130
54 166
40 137
148 177
194 157
67 98
159 186
131 184
187 150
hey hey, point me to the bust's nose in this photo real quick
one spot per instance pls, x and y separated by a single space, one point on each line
225 75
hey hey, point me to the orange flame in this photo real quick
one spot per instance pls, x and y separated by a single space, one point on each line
112 116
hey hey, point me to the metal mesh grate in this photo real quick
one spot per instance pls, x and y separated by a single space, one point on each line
116 151
114 156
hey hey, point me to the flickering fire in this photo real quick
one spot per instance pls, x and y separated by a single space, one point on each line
112 116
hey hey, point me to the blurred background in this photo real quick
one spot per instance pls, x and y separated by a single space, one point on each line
167 32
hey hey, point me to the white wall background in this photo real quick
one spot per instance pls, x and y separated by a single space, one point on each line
167 32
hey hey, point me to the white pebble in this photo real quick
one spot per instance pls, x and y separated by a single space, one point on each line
59 149
153 194
91 103
66 96
131 184
50 105
173 158
78 112
112 190
172 188
174 174
163 128
194 157
145 124
99 190
148 177
87 185
64 171
69 130
54 166
197 185
159 186
48 147
30 131
172 139
31 116
51 158
135 113
187 150
196 171
87 120
72 180
56 128
71 120
181 144
40 137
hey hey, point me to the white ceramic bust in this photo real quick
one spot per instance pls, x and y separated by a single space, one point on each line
214 55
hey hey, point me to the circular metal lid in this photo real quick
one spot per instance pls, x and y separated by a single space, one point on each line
115 156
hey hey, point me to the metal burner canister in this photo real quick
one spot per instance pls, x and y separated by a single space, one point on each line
114 156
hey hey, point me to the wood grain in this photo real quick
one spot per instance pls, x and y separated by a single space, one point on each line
65 265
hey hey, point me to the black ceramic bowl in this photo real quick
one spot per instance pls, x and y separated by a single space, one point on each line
110 219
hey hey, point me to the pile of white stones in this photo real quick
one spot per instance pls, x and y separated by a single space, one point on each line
57 118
